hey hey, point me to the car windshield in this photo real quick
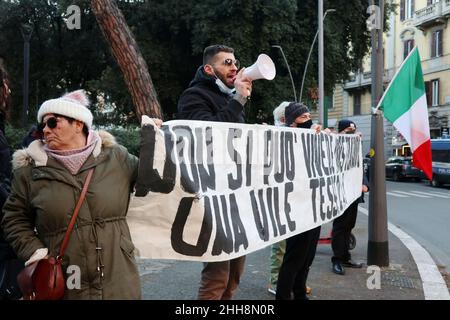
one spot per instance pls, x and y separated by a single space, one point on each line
394 160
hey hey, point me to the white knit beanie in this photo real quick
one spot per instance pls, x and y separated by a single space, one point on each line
278 113
73 105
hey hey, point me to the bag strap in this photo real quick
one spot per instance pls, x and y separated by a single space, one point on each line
75 214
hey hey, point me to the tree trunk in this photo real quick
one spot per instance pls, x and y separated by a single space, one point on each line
128 56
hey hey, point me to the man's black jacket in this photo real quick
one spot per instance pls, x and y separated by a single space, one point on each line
204 101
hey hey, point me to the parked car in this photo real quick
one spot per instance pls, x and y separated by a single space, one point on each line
399 168
440 149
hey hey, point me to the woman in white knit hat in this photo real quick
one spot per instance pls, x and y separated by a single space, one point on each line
48 179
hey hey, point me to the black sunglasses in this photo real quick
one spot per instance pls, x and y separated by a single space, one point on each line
229 62
51 122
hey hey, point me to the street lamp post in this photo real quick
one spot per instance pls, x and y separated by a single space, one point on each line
289 70
27 30
321 94
309 55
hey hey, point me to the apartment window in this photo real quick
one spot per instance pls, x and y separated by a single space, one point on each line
432 92
408 45
435 92
357 103
436 43
406 9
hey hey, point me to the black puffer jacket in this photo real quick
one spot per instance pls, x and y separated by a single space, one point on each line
204 101
6 251
5 164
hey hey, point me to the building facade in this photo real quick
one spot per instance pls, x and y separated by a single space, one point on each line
421 23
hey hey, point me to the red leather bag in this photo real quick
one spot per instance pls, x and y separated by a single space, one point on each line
44 279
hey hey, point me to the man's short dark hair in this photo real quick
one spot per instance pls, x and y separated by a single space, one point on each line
211 51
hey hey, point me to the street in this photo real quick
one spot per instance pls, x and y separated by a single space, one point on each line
179 280
407 209
423 212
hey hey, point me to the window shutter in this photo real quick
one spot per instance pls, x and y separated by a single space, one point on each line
433 44
405 49
402 10
439 35
357 103
428 92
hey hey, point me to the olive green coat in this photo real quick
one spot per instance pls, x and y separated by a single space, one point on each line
38 211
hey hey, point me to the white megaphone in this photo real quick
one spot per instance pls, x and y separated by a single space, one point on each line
263 68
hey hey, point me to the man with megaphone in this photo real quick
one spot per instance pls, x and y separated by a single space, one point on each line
218 92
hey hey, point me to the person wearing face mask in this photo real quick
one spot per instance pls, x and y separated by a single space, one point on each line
343 225
218 92
300 248
278 249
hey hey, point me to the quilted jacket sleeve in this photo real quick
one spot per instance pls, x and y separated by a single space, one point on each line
18 220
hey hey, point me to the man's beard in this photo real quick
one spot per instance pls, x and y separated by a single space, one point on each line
223 87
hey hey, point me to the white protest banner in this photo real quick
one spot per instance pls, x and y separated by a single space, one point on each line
212 191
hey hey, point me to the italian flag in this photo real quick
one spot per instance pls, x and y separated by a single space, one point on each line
405 105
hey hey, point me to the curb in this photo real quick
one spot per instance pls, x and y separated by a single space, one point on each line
434 286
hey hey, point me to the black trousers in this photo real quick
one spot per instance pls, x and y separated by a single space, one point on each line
342 228
300 252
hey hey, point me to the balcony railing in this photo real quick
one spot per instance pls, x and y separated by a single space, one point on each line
358 80
364 79
446 8
432 14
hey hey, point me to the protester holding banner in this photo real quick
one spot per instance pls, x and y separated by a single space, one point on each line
278 249
48 178
343 225
218 92
300 248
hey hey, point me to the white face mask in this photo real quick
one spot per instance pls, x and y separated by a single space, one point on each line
223 87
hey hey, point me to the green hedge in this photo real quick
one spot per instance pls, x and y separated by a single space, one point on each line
129 138
15 136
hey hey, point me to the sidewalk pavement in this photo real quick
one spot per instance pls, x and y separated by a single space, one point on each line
178 280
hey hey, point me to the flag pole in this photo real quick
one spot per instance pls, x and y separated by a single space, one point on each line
377 247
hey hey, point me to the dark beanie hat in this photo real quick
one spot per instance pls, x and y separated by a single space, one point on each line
294 110
344 124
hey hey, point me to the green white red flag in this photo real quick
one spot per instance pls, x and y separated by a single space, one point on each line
405 105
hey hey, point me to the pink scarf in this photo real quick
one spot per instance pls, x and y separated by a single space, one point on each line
74 159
